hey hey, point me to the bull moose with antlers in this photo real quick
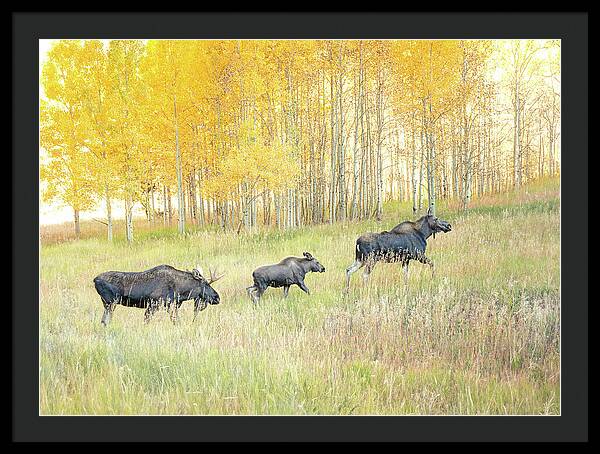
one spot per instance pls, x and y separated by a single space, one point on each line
160 286
405 242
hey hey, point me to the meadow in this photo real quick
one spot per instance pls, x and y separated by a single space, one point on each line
480 337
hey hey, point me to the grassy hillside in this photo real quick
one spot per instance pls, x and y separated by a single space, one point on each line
481 337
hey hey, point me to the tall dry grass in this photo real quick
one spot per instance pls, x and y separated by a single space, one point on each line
481 337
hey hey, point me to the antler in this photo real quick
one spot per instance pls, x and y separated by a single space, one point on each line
213 277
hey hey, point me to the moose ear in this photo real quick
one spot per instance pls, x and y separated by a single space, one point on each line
197 274
307 255
429 211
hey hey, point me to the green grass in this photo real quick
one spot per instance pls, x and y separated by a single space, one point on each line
481 337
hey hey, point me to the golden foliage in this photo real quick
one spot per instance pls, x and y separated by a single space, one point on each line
250 115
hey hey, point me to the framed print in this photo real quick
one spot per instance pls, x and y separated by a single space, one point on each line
372 228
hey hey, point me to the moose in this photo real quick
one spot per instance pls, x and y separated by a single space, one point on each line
290 271
405 242
160 286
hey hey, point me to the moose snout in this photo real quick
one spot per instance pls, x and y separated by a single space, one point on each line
445 227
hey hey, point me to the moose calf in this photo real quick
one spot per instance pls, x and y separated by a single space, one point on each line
289 271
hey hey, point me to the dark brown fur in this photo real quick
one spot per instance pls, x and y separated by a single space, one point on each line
406 241
290 271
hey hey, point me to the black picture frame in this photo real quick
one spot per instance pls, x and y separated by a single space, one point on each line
571 28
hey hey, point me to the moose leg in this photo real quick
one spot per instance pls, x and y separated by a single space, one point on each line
257 294
108 310
427 261
175 312
150 310
368 268
250 291
106 317
286 290
303 286
352 269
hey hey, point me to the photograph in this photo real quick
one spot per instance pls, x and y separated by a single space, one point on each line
299 227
